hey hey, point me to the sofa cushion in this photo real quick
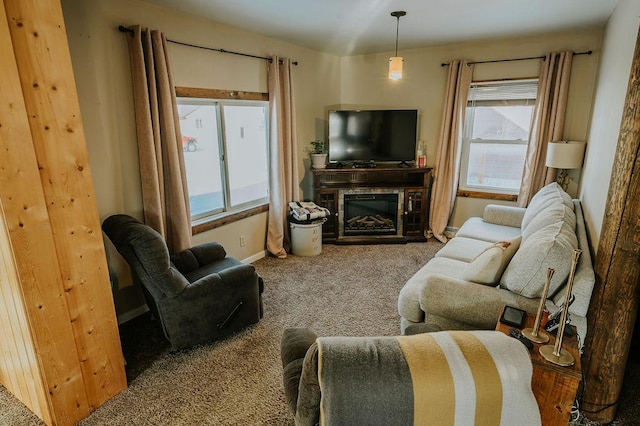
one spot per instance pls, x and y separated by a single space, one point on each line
488 266
464 249
478 229
549 195
409 298
555 213
550 247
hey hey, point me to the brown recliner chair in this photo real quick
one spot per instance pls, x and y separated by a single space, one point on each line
199 294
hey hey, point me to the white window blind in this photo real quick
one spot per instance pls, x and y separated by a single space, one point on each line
496 133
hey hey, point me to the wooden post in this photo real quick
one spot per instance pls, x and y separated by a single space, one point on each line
60 351
614 304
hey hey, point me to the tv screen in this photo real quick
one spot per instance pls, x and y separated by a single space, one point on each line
372 135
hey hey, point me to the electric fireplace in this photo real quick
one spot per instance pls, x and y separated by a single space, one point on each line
370 212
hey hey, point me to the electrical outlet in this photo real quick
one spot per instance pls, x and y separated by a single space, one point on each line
243 241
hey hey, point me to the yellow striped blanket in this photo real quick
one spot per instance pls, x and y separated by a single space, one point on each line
444 378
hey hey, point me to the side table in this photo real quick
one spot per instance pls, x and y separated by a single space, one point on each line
554 387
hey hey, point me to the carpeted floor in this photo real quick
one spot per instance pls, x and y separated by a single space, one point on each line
347 290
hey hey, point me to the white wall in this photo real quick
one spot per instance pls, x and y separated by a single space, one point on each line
618 46
102 71
365 84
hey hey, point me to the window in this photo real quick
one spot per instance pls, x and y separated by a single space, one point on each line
225 155
496 134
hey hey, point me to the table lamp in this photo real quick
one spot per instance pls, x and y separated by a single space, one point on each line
565 155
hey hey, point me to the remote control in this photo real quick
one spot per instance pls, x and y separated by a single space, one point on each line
515 333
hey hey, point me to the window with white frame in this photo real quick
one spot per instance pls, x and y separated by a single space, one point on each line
225 155
496 134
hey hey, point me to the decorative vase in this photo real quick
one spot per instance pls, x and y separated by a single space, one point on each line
318 161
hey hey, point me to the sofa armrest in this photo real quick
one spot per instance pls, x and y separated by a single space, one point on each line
504 215
294 344
293 348
474 304
308 402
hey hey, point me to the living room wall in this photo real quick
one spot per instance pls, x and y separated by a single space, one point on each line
365 84
101 65
102 72
618 45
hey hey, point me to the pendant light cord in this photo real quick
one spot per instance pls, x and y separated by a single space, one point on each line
397 29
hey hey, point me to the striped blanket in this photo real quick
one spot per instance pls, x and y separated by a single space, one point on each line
444 378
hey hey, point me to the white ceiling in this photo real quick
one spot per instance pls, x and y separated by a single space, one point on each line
350 27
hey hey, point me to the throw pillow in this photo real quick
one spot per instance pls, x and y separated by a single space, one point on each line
487 267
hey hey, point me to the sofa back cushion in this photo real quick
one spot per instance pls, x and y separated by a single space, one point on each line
549 247
549 195
554 213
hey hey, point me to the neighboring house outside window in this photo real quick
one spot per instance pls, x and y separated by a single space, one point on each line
496 134
225 155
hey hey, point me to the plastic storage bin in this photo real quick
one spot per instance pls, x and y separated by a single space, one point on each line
306 239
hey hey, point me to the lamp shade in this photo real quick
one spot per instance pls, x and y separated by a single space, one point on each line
395 67
565 154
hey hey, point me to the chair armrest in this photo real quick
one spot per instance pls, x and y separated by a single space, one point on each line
198 256
504 215
237 277
474 304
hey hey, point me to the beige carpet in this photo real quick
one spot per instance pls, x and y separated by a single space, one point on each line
347 290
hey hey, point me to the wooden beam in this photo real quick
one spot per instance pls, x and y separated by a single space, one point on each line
56 290
196 92
31 284
614 304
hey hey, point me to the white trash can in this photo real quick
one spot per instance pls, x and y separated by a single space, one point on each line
306 240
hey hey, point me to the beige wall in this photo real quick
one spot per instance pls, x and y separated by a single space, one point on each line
101 65
102 71
365 84
618 46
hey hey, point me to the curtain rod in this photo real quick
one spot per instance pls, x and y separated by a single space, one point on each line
588 52
124 29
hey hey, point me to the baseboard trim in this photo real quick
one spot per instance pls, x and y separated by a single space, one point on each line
257 256
134 313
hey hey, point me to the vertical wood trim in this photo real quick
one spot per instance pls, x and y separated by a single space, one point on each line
46 74
19 370
35 307
614 304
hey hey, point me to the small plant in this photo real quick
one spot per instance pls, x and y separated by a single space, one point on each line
317 147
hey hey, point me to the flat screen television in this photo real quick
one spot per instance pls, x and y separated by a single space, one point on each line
372 135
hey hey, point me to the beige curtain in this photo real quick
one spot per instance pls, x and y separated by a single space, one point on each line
283 155
547 124
164 191
447 165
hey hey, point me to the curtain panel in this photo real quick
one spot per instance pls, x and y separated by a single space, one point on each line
447 166
164 188
283 155
547 124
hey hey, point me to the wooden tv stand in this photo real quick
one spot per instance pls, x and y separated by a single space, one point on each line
413 182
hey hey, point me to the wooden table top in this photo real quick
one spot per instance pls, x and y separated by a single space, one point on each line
569 344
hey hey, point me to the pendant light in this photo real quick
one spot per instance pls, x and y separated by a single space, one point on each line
395 62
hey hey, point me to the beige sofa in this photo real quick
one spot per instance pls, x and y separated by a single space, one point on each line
502 259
